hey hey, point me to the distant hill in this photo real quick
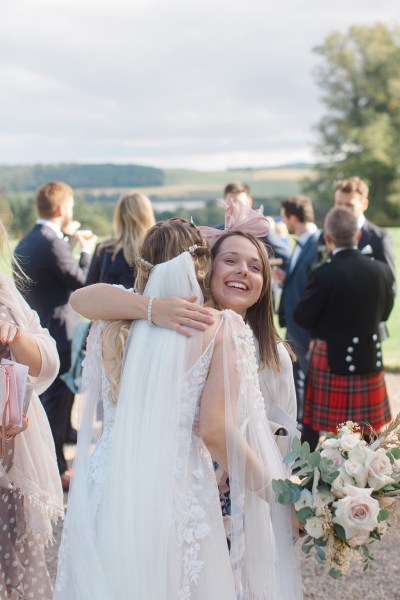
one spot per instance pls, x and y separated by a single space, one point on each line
297 165
28 178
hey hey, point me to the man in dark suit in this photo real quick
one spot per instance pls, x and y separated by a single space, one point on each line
343 304
298 215
46 257
374 241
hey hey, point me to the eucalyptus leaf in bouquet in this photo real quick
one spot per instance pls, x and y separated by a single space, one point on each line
346 493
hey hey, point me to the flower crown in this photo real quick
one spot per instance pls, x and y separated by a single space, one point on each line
238 217
148 265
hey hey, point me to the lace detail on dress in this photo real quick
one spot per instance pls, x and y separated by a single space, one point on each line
247 366
193 385
100 456
190 513
192 529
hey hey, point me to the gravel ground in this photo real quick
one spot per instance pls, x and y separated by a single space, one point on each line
382 582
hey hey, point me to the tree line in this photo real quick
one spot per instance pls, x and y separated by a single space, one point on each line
25 178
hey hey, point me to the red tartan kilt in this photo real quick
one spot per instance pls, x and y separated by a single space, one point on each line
333 399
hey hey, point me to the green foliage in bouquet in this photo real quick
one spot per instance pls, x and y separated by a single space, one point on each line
345 493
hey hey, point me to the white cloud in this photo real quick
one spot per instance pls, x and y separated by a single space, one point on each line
162 80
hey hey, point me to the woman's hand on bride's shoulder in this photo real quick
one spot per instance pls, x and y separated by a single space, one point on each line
180 313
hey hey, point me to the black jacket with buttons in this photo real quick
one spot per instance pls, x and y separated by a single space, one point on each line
343 304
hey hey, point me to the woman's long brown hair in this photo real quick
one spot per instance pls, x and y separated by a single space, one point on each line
260 316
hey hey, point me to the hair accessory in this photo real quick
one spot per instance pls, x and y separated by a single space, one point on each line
192 249
238 217
149 307
146 263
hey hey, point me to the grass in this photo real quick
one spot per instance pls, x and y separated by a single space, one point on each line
200 185
391 347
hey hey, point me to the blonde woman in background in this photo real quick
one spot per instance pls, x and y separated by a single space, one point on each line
30 489
114 259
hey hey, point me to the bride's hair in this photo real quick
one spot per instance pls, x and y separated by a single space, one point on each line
163 242
260 316
113 339
166 240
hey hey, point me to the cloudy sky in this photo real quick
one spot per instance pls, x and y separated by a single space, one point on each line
201 83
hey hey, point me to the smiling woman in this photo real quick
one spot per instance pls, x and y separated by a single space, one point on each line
241 281
238 266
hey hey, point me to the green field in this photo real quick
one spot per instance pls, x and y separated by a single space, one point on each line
391 347
183 184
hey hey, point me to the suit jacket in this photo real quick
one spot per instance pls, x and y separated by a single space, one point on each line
103 269
343 303
54 274
375 242
293 290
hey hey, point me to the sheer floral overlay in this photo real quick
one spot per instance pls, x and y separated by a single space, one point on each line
23 571
196 510
264 562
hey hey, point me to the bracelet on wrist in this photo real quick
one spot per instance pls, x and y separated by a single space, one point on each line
149 309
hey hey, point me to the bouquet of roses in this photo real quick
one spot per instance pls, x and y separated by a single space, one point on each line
347 493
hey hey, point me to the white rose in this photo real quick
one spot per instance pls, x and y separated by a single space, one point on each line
357 512
314 527
330 443
348 441
379 469
333 455
304 501
356 465
358 471
339 485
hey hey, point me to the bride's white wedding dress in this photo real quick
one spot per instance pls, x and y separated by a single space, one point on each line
144 518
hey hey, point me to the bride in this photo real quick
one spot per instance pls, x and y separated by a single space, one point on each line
156 531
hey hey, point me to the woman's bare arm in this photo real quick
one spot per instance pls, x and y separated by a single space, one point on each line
218 426
108 302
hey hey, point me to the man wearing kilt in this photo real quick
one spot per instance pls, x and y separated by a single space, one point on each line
343 304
